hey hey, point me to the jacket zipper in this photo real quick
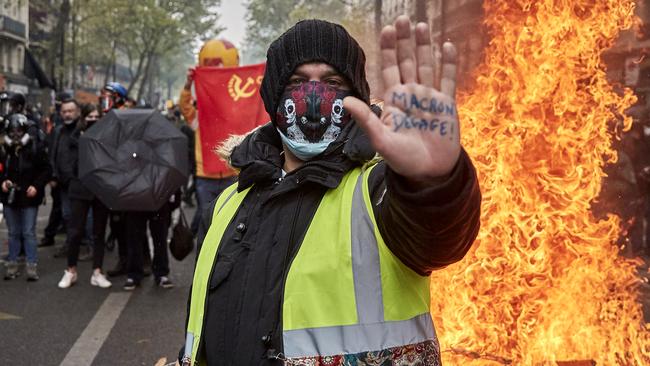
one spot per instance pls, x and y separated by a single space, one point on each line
271 353
205 304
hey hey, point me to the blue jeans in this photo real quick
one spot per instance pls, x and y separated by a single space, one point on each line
207 191
21 222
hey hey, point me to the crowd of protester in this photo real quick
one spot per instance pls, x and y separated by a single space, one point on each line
39 153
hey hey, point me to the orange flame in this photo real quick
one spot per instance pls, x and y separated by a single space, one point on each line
544 282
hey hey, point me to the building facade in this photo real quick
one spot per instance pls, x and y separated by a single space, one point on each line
14 33
391 9
448 20
451 20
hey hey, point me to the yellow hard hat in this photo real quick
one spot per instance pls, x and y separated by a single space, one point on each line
218 52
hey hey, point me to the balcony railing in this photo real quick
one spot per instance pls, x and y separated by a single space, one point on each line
13 26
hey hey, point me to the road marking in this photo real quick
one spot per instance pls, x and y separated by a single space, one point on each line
7 316
87 346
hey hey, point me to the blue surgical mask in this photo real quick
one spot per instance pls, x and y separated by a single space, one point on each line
304 150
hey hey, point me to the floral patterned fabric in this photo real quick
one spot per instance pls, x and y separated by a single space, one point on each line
420 354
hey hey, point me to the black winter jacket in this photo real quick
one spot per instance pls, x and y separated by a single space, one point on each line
63 154
426 229
76 190
26 166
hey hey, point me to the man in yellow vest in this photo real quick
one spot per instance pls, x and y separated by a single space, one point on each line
320 254
216 53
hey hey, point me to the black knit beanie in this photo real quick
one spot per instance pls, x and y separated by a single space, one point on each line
313 41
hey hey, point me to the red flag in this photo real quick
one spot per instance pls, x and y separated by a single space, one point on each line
228 102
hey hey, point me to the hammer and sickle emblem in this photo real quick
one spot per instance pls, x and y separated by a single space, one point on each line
237 90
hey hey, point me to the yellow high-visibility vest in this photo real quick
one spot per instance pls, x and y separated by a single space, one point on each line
345 293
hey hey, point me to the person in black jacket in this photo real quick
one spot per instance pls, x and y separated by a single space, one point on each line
81 201
63 157
416 209
26 171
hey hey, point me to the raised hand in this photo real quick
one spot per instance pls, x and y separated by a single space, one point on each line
418 133
189 78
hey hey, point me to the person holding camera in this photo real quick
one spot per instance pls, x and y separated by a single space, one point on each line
26 171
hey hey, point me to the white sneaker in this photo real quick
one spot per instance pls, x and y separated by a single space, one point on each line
98 279
68 279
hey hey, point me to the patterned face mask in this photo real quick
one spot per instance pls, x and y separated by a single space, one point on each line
310 117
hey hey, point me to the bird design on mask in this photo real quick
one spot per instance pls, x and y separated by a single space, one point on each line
312 112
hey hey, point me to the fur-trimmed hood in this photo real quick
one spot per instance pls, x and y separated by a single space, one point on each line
226 148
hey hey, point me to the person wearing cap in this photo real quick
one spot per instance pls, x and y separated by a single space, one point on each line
214 53
11 103
5 106
26 171
321 253
17 103
129 228
115 96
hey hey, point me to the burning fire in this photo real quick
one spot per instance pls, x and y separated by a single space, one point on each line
545 282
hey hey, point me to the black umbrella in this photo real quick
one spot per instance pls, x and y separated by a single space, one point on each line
133 160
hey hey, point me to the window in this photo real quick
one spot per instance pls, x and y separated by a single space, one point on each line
10 58
20 53
3 58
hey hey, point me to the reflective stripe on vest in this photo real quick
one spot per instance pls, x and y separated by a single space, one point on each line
345 292
224 211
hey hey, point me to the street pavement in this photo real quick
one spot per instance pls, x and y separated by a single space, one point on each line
43 325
